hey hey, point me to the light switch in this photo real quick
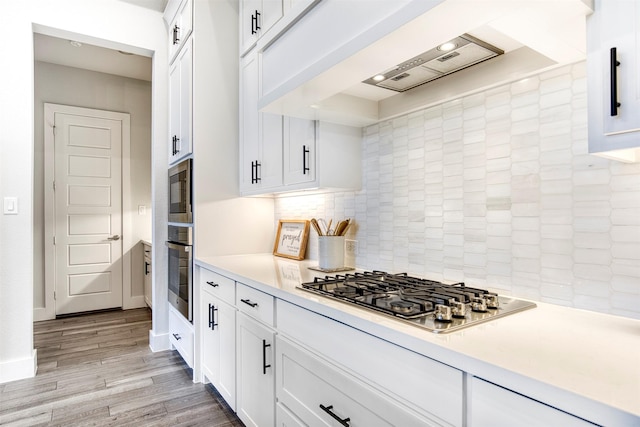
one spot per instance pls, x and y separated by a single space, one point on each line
10 205
142 210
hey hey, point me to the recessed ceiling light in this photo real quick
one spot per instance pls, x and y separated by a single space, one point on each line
379 77
446 47
75 43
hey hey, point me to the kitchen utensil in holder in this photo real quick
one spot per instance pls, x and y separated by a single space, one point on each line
330 252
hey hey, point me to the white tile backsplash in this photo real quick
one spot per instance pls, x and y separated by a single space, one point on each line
496 189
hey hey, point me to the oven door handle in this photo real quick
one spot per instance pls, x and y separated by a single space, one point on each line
178 247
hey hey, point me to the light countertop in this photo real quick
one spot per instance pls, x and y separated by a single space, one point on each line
583 362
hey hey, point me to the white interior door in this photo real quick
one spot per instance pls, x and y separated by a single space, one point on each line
88 213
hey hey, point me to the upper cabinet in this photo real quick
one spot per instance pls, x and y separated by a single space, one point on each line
310 72
180 27
613 70
180 104
279 154
256 18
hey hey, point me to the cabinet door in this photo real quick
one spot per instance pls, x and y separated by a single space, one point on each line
180 105
180 28
496 407
147 276
299 147
621 31
260 135
219 343
614 24
256 17
255 370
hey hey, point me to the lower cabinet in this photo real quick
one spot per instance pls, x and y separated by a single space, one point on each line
493 406
148 296
284 417
219 345
255 372
181 335
321 394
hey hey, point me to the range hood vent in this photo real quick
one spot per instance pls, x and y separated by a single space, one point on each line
461 52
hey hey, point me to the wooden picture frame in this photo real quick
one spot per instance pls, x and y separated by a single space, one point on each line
291 238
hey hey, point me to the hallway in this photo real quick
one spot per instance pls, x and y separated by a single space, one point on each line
97 369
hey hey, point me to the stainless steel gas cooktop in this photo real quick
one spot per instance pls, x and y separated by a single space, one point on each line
430 305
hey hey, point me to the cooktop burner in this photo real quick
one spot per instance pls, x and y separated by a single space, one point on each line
431 305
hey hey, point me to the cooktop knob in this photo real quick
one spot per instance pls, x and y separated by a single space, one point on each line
442 313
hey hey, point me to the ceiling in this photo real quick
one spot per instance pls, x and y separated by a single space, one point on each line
94 58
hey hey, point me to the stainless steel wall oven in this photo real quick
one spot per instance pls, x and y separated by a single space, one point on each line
180 260
180 192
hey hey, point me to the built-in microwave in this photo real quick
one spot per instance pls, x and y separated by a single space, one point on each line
180 192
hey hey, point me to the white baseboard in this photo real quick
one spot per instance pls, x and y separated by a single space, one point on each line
133 302
19 369
159 342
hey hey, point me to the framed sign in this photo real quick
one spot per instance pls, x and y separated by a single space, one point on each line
291 238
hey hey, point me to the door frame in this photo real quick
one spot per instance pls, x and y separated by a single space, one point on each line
128 301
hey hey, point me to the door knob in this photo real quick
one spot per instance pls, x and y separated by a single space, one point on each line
116 237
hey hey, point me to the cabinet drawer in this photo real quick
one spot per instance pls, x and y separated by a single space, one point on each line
220 286
319 393
433 388
255 303
181 335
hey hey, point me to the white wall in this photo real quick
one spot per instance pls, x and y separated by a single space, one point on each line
107 23
82 88
497 189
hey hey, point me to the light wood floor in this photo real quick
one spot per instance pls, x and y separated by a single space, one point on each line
97 370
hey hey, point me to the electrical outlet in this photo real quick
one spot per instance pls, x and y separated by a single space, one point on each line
350 247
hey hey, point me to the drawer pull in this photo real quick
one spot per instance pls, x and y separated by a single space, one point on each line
328 410
177 337
613 69
212 283
248 302
264 357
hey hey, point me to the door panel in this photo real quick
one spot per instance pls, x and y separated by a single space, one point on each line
88 213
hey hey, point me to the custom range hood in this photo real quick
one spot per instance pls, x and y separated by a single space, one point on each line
447 58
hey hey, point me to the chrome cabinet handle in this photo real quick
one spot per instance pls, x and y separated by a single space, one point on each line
116 237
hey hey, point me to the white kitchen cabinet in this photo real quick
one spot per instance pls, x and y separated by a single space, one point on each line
494 406
180 104
181 335
180 27
320 155
613 35
284 417
321 394
438 394
260 136
148 297
219 344
279 154
256 18
255 372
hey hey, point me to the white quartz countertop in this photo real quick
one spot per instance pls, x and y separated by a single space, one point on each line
583 362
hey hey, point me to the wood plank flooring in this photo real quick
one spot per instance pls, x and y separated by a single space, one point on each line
97 370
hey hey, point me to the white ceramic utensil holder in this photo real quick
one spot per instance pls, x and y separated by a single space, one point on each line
330 252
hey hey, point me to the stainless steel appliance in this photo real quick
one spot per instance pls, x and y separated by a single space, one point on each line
180 192
181 269
434 306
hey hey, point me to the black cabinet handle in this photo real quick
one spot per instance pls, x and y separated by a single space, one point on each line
175 141
175 34
177 337
258 167
328 410
248 302
305 167
253 172
254 22
214 284
212 317
613 69
264 357
146 268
